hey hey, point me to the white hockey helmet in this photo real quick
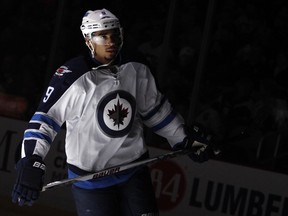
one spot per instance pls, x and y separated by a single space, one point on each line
98 20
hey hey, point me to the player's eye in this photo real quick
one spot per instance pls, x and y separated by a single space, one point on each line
100 39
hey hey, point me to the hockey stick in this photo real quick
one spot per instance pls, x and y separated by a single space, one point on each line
115 169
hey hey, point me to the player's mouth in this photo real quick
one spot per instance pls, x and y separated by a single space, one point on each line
112 50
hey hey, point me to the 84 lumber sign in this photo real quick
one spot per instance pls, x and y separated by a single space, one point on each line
216 188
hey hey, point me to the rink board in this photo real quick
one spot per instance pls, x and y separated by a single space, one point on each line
182 187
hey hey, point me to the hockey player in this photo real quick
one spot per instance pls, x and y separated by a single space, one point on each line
104 104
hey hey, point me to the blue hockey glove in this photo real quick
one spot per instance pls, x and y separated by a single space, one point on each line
30 179
199 141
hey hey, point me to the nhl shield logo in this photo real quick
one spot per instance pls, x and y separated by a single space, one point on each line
116 112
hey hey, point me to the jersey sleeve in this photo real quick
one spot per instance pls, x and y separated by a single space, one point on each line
53 110
156 111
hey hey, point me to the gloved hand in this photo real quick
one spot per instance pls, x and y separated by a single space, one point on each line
30 179
199 141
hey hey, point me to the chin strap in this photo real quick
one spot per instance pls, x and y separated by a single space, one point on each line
91 48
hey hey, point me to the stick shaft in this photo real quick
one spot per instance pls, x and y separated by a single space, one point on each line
114 169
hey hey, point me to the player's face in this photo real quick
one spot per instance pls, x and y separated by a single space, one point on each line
106 44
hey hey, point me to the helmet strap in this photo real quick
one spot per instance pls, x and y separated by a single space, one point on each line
91 47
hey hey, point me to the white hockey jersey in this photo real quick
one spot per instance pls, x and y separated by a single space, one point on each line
104 109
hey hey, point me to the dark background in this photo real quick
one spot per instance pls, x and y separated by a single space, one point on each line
226 69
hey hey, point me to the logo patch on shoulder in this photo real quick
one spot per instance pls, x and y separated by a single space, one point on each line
62 70
116 112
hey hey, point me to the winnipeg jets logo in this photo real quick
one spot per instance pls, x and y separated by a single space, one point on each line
62 70
116 113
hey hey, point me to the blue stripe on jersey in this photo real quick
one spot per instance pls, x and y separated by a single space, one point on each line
38 135
165 122
155 110
46 120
